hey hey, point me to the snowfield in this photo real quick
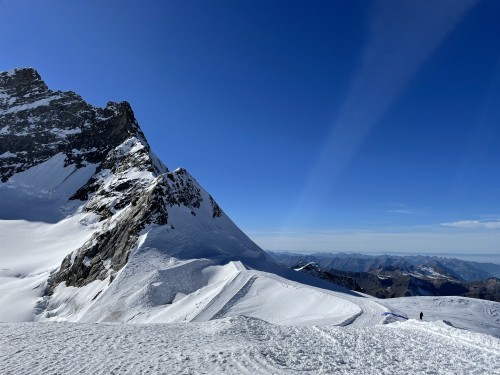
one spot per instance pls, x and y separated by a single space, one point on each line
27 260
461 312
242 345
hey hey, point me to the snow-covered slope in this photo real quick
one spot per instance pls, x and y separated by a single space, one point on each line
460 312
29 252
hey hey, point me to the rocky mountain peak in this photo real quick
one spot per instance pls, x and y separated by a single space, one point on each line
22 82
64 158
37 123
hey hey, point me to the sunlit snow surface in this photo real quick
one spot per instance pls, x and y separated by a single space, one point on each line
38 228
29 251
41 193
241 345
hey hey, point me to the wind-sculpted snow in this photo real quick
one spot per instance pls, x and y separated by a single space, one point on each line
241 345
461 312
154 287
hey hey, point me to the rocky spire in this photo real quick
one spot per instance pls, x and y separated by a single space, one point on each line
37 123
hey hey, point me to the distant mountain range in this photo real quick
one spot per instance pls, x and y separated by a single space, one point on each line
386 276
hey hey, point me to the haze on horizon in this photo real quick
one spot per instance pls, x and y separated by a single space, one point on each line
364 126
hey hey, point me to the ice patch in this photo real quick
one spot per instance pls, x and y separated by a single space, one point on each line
62 133
7 154
24 107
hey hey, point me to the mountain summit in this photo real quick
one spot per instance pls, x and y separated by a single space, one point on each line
65 162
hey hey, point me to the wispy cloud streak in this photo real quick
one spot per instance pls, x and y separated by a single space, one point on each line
403 35
473 224
404 211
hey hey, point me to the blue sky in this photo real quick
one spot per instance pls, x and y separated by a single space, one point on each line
364 126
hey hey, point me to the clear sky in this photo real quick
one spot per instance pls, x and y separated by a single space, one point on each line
317 125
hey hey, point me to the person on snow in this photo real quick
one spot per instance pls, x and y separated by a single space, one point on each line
421 315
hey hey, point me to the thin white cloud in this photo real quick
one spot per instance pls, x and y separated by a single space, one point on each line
403 35
404 211
473 224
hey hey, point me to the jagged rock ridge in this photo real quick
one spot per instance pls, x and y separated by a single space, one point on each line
36 123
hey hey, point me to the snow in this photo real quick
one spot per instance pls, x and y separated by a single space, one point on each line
279 301
7 154
48 177
129 146
41 193
242 345
62 133
27 260
83 151
198 296
305 266
159 165
461 312
28 106
196 273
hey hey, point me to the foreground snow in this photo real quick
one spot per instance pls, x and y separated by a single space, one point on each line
241 345
461 312
30 251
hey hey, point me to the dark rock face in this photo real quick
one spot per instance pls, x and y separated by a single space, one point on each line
485 289
338 277
113 245
37 123
130 188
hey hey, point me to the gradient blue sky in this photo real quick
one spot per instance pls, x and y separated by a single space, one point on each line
317 125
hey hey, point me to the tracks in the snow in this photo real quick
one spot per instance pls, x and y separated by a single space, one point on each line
233 291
